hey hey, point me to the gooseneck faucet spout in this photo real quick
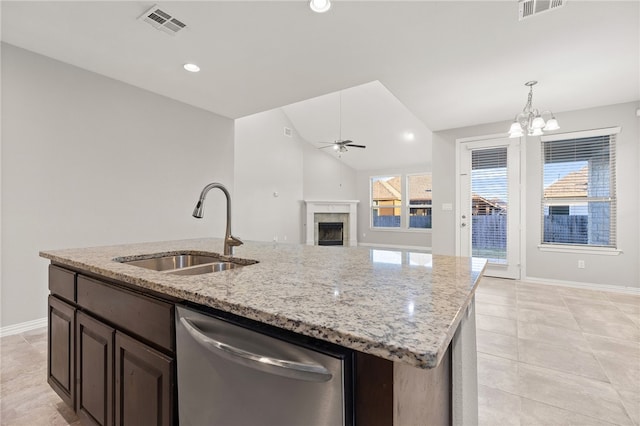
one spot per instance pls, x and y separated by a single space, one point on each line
229 240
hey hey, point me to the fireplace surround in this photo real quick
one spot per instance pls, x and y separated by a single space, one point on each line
344 211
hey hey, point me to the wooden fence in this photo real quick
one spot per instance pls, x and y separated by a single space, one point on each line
394 221
490 231
569 229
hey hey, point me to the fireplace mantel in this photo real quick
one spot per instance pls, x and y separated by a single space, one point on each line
332 206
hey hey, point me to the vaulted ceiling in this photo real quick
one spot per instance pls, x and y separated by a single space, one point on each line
447 63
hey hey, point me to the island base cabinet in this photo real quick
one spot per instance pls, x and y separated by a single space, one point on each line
94 370
144 384
111 351
61 343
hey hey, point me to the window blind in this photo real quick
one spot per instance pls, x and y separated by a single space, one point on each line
579 197
489 203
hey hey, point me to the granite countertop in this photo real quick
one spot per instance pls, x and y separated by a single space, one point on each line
403 306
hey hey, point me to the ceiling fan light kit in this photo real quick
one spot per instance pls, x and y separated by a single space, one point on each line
530 119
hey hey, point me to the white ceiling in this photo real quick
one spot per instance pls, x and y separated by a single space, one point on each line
449 63
368 115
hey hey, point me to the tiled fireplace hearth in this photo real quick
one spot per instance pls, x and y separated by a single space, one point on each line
338 211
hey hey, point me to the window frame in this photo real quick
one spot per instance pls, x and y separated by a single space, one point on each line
394 206
403 206
612 248
409 206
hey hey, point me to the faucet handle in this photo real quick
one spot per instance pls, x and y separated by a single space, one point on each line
234 241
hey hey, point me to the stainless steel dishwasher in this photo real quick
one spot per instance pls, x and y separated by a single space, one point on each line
231 375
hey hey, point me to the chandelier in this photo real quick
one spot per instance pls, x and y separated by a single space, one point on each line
530 119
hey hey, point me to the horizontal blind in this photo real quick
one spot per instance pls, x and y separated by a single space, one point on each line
579 197
489 203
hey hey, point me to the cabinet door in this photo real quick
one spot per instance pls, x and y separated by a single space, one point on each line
94 370
144 384
60 360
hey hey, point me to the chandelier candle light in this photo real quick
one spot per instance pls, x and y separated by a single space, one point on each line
531 119
320 6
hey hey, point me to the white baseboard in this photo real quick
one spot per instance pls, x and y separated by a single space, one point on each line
393 246
588 286
22 327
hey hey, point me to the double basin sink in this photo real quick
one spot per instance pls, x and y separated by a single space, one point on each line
186 263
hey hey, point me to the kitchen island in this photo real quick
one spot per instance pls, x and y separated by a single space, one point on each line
398 310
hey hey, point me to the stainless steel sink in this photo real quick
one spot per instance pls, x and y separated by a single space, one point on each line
187 263
178 261
210 267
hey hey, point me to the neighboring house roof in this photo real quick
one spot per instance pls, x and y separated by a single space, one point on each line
574 184
392 186
481 203
391 189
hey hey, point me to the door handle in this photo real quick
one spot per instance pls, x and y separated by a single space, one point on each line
281 367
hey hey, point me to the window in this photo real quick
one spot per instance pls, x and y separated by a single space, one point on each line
490 203
419 196
387 207
386 201
579 180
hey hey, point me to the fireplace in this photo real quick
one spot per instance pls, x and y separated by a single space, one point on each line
343 212
330 234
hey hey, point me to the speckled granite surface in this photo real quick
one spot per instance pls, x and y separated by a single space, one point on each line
398 305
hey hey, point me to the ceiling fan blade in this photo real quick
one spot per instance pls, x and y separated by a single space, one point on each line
344 142
356 146
327 146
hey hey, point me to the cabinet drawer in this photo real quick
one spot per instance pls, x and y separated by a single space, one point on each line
62 282
144 316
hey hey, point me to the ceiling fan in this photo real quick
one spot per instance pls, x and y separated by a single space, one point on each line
341 145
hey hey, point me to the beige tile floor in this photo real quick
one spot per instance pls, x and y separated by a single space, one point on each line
551 355
25 397
546 356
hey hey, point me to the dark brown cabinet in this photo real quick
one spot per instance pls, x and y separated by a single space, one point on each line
143 384
61 341
111 351
94 370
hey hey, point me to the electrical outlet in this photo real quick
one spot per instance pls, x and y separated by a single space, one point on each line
580 264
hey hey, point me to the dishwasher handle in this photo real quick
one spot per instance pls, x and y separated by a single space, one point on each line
281 367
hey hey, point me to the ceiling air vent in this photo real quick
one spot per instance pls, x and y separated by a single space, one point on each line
163 21
529 8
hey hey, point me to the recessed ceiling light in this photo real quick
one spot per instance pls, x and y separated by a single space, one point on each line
191 67
410 136
320 6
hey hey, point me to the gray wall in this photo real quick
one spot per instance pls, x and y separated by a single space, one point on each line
367 235
268 162
621 270
87 160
